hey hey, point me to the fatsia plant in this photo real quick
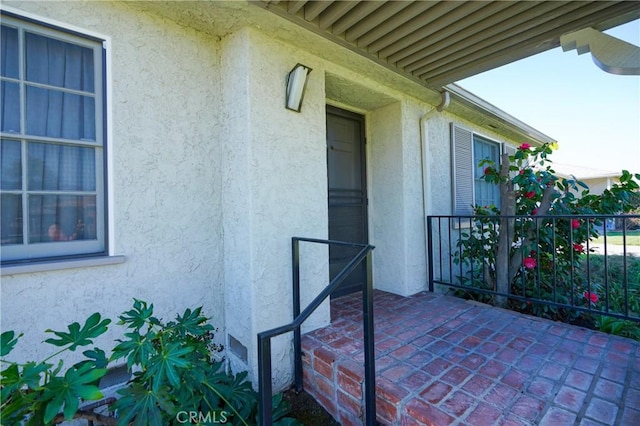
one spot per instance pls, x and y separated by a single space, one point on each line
177 376
41 392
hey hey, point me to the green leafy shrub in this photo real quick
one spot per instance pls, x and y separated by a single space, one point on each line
618 327
39 391
622 291
534 244
176 375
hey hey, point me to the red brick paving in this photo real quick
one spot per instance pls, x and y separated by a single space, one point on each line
444 361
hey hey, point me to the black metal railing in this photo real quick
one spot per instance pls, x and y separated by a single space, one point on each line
264 338
558 266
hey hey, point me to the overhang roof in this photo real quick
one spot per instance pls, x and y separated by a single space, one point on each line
439 42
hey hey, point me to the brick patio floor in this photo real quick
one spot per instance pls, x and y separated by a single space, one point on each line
445 361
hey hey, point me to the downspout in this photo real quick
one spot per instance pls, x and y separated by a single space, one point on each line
424 162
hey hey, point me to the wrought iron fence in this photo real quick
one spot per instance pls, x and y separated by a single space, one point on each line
572 268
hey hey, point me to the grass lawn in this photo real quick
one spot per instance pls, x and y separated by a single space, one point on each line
615 270
615 238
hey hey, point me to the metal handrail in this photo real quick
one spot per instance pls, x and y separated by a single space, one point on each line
264 338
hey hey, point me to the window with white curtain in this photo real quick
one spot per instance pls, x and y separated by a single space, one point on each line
52 143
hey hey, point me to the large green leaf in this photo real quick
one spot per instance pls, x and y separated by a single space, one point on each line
97 356
11 375
139 405
137 317
8 340
138 349
15 409
77 336
165 364
76 384
32 374
193 322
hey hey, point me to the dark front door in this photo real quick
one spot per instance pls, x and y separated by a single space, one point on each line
347 193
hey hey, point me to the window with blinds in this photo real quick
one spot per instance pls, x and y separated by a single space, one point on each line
469 189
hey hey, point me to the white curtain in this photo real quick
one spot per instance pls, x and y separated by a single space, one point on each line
53 169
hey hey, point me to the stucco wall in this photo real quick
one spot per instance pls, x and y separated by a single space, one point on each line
212 176
439 157
396 208
386 195
275 188
414 212
165 178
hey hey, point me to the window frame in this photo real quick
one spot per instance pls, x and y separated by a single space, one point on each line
27 252
463 167
476 138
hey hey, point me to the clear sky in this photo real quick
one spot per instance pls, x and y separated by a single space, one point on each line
594 115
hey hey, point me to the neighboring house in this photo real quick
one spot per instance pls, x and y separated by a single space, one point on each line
597 180
147 153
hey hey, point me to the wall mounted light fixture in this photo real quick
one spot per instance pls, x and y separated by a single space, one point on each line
296 84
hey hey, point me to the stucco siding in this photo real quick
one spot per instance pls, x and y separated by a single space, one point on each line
386 200
414 211
275 189
164 176
599 185
211 177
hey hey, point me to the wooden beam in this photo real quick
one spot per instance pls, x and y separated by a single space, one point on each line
294 6
609 53
336 11
361 11
376 18
544 37
500 38
411 16
453 21
315 8
449 36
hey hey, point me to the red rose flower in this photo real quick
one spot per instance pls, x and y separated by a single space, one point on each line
521 172
575 223
578 247
529 263
592 297
534 212
487 171
530 194
524 147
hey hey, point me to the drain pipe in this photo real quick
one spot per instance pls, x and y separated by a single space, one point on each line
424 161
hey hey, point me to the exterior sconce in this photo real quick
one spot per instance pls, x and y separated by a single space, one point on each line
296 84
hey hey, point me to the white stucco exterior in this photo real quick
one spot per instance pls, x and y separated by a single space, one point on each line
164 177
274 189
211 176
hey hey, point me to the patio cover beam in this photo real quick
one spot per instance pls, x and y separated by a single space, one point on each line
439 42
